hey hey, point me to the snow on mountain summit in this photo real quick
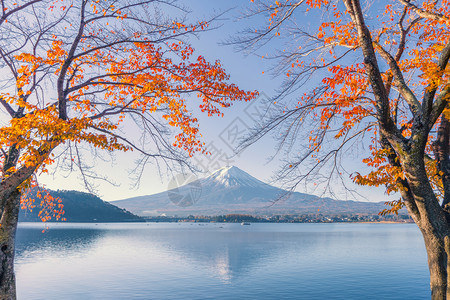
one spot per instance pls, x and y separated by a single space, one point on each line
230 190
233 176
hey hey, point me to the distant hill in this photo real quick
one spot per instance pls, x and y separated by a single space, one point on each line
230 190
83 207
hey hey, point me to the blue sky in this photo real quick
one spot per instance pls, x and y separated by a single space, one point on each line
219 133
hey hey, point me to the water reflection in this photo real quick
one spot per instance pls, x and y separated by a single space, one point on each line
219 261
66 242
230 255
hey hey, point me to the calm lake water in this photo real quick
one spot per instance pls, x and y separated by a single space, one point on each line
221 261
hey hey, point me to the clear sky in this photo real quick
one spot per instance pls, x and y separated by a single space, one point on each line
220 134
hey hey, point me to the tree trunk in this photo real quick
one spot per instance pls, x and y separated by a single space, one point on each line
8 225
10 192
437 252
432 222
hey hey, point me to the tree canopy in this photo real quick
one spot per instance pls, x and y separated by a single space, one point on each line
327 86
354 73
89 72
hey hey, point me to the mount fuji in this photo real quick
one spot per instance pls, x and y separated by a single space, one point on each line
231 190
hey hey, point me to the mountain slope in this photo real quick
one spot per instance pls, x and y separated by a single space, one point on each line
83 207
231 190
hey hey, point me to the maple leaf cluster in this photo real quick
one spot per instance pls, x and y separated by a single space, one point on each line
99 65
343 105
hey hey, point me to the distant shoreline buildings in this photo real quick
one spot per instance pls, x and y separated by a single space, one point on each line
309 218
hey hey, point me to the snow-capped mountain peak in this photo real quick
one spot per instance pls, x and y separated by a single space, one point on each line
230 190
233 176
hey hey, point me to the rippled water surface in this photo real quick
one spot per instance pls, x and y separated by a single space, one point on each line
221 261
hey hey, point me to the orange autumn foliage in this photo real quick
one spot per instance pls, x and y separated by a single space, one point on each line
102 65
40 198
343 104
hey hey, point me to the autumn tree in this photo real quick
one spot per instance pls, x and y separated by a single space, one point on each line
372 75
90 73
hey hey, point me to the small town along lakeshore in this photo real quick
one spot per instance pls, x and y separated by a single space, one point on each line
310 218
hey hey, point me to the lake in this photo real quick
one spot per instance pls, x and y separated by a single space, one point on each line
221 261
